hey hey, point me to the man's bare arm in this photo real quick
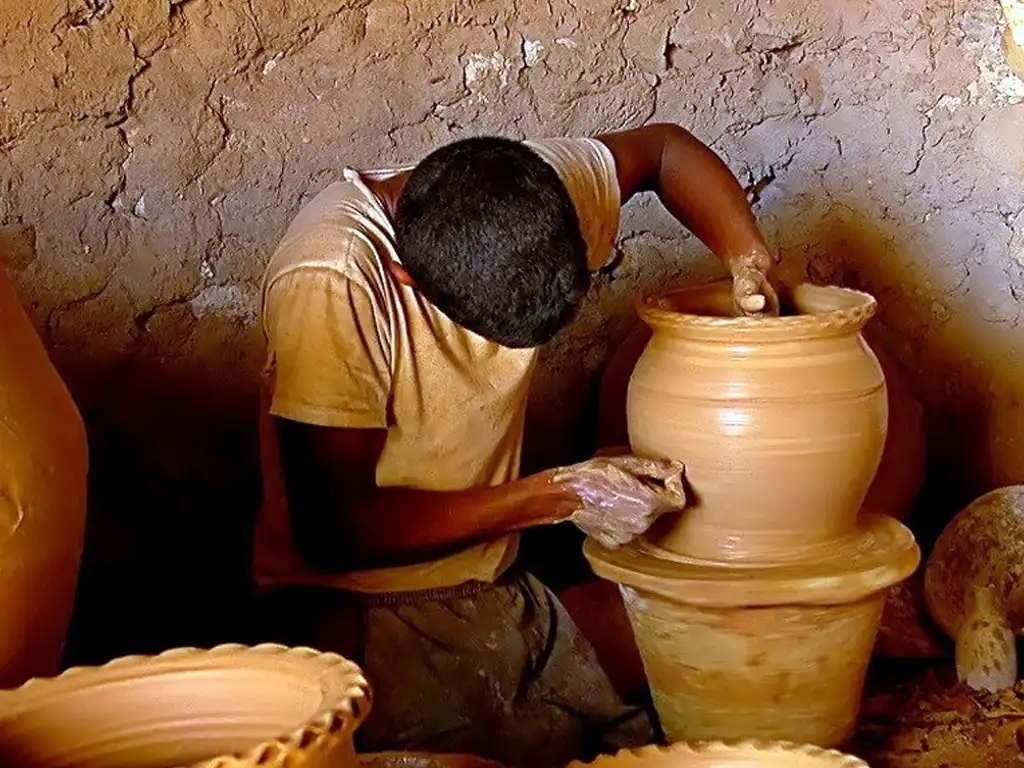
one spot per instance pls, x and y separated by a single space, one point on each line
343 521
696 187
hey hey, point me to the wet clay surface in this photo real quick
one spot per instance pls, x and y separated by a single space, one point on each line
781 422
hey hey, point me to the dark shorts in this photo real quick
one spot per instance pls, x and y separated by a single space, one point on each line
496 670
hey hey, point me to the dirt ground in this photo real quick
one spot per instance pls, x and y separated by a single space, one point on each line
915 715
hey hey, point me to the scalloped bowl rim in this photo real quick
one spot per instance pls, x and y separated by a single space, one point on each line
350 708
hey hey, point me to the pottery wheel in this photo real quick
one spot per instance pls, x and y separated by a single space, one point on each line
878 553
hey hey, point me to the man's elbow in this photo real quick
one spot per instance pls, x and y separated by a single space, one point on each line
330 548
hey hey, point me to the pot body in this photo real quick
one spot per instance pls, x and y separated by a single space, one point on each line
228 707
789 672
43 469
781 422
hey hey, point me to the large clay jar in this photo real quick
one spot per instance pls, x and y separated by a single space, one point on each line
781 422
741 754
228 707
43 468
901 470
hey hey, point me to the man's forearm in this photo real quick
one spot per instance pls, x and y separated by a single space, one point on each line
698 188
692 182
394 526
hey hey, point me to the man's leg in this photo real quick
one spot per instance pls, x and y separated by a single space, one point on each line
502 673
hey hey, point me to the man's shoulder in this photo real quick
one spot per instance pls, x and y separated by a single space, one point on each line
579 149
334 231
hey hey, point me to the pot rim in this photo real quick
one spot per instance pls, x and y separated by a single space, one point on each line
828 757
347 695
851 310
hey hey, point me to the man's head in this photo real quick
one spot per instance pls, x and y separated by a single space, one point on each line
487 232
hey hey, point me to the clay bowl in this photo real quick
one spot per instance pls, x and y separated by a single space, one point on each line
741 754
228 707
781 422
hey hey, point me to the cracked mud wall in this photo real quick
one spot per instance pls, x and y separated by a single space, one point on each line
151 154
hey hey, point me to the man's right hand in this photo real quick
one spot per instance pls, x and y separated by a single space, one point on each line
619 497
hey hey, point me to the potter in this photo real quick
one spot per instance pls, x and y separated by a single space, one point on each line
403 311
43 468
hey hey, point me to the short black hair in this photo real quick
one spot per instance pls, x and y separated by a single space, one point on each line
489 234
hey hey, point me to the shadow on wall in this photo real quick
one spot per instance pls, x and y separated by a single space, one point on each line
167 551
964 427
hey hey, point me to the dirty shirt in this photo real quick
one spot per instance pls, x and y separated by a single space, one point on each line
349 346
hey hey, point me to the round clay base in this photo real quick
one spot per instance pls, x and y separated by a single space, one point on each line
738 651
880 552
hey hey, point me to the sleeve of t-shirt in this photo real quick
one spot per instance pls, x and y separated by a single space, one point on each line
329 350
587 168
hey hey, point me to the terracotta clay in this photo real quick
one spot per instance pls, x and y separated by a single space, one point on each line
900 475
777 651
742 754
43 468
780 421
974 587
228 707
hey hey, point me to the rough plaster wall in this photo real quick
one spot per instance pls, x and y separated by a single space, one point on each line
151 155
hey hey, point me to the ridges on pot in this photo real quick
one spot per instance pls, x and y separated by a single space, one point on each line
780 422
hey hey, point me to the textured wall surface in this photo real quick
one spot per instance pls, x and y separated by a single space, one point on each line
151 154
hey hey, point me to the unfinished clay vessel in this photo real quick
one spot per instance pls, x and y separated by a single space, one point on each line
900 475
741 754
43 468
781 421
228 707
773 651
901 470
974 587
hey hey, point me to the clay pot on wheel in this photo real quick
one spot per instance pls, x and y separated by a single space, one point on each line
777 651
901 470
228 707
974 587
43 468
781 421
743 754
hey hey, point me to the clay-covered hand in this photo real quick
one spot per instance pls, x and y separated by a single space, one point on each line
619 497
753 289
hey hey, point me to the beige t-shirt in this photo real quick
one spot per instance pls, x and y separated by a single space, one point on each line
349 346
